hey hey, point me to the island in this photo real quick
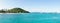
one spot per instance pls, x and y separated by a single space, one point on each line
14 10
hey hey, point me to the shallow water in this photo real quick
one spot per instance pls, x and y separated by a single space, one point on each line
30 18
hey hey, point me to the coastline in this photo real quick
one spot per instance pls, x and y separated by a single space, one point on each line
13 13
31 12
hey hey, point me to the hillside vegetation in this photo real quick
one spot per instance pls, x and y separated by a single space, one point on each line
14 10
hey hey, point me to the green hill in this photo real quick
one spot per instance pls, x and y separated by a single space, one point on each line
14 10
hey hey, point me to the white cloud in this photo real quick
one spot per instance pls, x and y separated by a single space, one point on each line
43 9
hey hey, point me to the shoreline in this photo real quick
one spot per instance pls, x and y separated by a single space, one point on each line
28 13
13 13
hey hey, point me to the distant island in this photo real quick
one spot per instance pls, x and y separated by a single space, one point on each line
14 10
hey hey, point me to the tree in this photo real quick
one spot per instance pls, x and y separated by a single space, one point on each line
2 11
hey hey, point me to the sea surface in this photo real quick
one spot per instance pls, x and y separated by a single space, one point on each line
30 18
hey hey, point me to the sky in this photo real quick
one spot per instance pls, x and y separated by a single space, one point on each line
32 5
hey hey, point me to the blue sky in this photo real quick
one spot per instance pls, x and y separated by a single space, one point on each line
32 5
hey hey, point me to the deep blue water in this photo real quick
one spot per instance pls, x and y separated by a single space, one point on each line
30 18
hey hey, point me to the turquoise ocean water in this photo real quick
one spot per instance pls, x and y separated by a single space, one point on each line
30 18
